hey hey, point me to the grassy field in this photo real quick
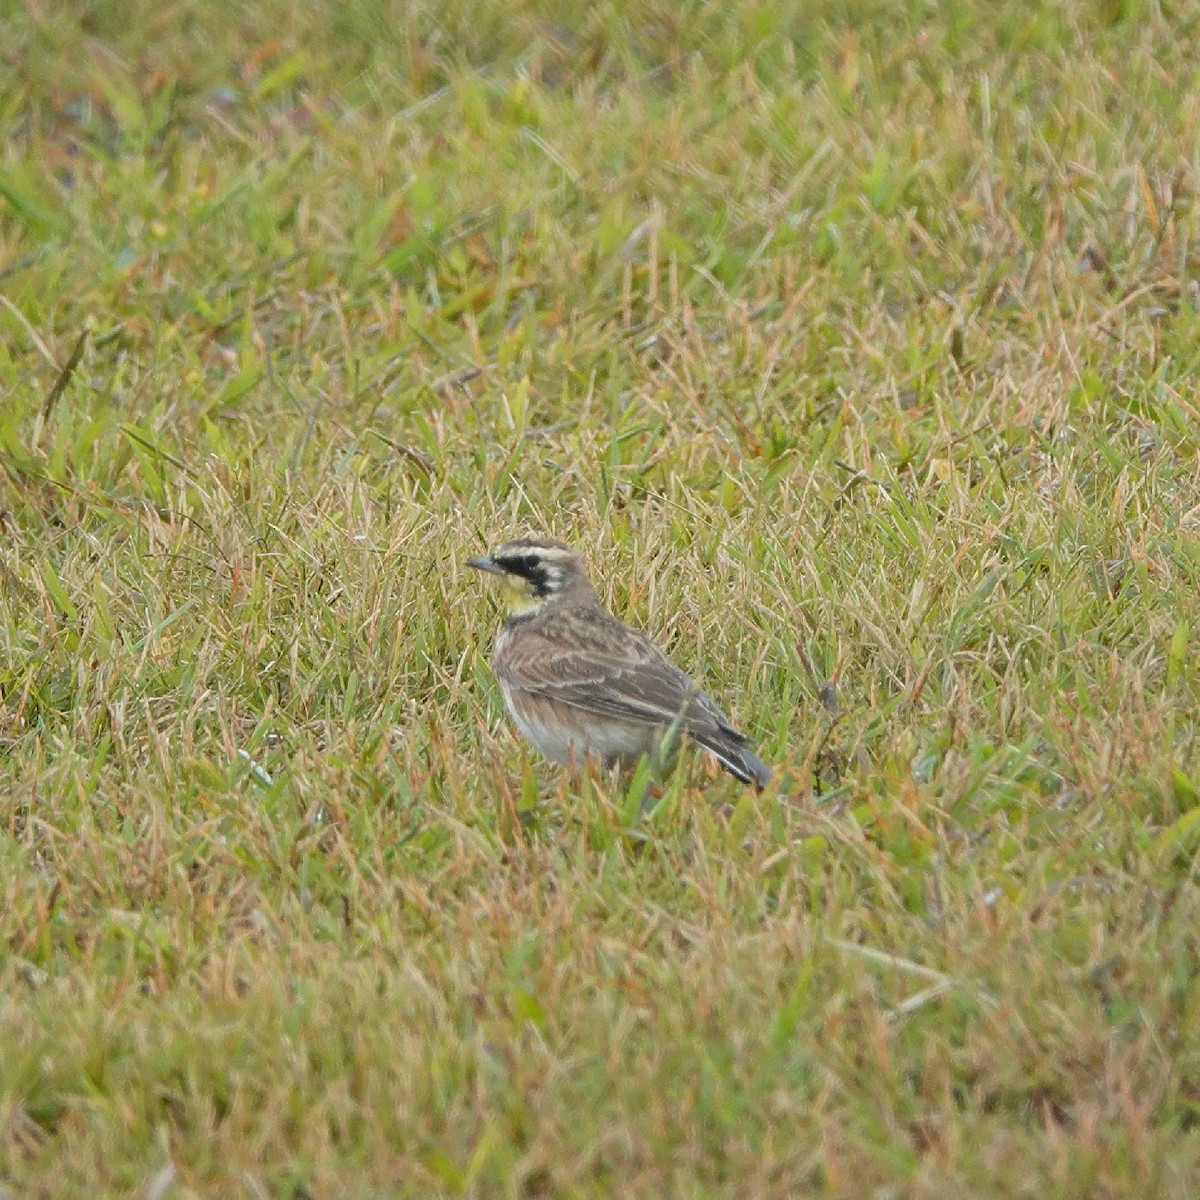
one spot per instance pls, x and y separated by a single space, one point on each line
854 345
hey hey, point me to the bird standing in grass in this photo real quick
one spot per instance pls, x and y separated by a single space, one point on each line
580 683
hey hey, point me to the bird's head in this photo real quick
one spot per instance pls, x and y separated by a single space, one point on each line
533 571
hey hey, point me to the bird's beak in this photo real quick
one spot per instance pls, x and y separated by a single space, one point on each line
485 562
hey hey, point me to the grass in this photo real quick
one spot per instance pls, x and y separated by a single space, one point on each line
857 348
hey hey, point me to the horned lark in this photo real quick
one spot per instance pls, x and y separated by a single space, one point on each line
578 682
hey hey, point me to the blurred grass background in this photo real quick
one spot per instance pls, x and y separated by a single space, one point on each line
854 343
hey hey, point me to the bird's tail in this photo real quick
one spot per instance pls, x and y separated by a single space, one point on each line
733 752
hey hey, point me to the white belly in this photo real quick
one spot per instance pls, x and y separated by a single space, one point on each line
606 739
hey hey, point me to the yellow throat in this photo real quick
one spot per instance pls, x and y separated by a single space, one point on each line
518 596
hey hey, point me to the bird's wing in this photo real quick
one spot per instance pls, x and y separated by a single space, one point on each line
627 678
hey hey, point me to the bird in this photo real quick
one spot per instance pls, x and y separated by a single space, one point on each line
580 683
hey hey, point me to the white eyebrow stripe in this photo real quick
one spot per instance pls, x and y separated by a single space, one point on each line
543 552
